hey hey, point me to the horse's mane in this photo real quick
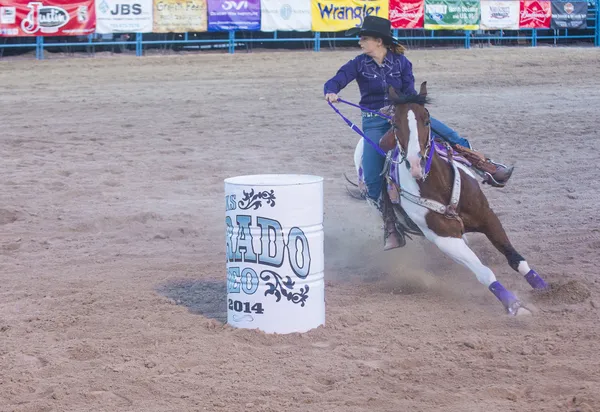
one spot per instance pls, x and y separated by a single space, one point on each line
411 98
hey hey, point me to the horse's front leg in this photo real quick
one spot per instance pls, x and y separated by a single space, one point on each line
494 231
457 249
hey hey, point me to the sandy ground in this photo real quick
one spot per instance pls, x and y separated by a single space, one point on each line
112 292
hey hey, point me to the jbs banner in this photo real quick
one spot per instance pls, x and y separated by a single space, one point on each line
285 15
569 14
499 15
407 14
535 14
179 16
452 14
124 16
339 15
47 18
225 15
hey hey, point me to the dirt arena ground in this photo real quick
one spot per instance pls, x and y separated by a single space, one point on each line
112 292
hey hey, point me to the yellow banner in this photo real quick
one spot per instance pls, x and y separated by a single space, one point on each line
180 16
338 15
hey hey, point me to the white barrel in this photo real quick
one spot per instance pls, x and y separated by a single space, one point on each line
274 252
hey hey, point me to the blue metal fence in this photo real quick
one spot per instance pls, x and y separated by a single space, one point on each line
309 40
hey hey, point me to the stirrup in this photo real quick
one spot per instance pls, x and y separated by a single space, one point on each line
489 179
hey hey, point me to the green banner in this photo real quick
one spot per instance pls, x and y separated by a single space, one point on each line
452 14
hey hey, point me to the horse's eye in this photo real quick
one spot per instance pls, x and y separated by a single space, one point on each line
427 122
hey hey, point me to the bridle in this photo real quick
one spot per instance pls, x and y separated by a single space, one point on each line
426 154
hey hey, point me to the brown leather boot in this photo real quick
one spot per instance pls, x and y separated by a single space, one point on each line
495 174
391 238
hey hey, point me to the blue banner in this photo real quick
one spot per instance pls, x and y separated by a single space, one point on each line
569 14
226 15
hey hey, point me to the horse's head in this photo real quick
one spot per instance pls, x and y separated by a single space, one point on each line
411 128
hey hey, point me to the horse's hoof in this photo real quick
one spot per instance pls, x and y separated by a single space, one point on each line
517 309
522 311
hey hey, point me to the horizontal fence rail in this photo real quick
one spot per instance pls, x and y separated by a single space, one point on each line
240 40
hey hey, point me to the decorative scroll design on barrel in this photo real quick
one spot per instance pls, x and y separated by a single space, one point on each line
254 200
279 287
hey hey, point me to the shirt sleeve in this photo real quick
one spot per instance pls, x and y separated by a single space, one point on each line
408 79
344 75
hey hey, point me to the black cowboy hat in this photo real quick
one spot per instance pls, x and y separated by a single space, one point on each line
374 26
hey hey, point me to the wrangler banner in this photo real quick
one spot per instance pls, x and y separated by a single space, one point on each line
179 16
499 15
47 17
535 14
339 15
569 14
452 14
407 14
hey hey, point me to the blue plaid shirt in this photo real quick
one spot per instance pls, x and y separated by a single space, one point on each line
373 80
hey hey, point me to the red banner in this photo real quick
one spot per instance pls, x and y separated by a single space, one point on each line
535 14
407 14
47 17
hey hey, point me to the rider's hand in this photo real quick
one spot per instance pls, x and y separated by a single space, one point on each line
331 97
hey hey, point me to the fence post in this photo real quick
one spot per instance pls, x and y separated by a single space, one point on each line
467 39
597 37
534 38
317 41
39 47
138 44
231 41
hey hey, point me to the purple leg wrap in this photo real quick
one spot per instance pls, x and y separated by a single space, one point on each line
503 295
535 280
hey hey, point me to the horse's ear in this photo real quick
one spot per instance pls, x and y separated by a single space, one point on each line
393 95
423 90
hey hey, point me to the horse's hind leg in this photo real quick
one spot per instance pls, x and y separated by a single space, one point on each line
495 233
458 250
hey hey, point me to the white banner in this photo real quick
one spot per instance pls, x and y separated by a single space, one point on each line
497 15
124 16
285 15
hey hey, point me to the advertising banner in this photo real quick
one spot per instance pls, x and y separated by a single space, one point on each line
340 15
285 15
179 16
499 15
452 14
535 14
407 14
569 14
226 15
124 16
47 18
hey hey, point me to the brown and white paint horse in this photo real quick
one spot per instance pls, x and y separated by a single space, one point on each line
446 202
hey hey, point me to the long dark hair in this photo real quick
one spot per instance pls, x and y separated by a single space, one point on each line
395 47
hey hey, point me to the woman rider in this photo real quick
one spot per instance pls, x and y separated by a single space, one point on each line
382 64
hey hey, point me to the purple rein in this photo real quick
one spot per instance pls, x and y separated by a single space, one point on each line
355 127
376 146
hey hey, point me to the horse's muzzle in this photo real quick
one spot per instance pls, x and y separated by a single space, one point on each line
416 168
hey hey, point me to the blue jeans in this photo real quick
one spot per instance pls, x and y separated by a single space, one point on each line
372 162
447 133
